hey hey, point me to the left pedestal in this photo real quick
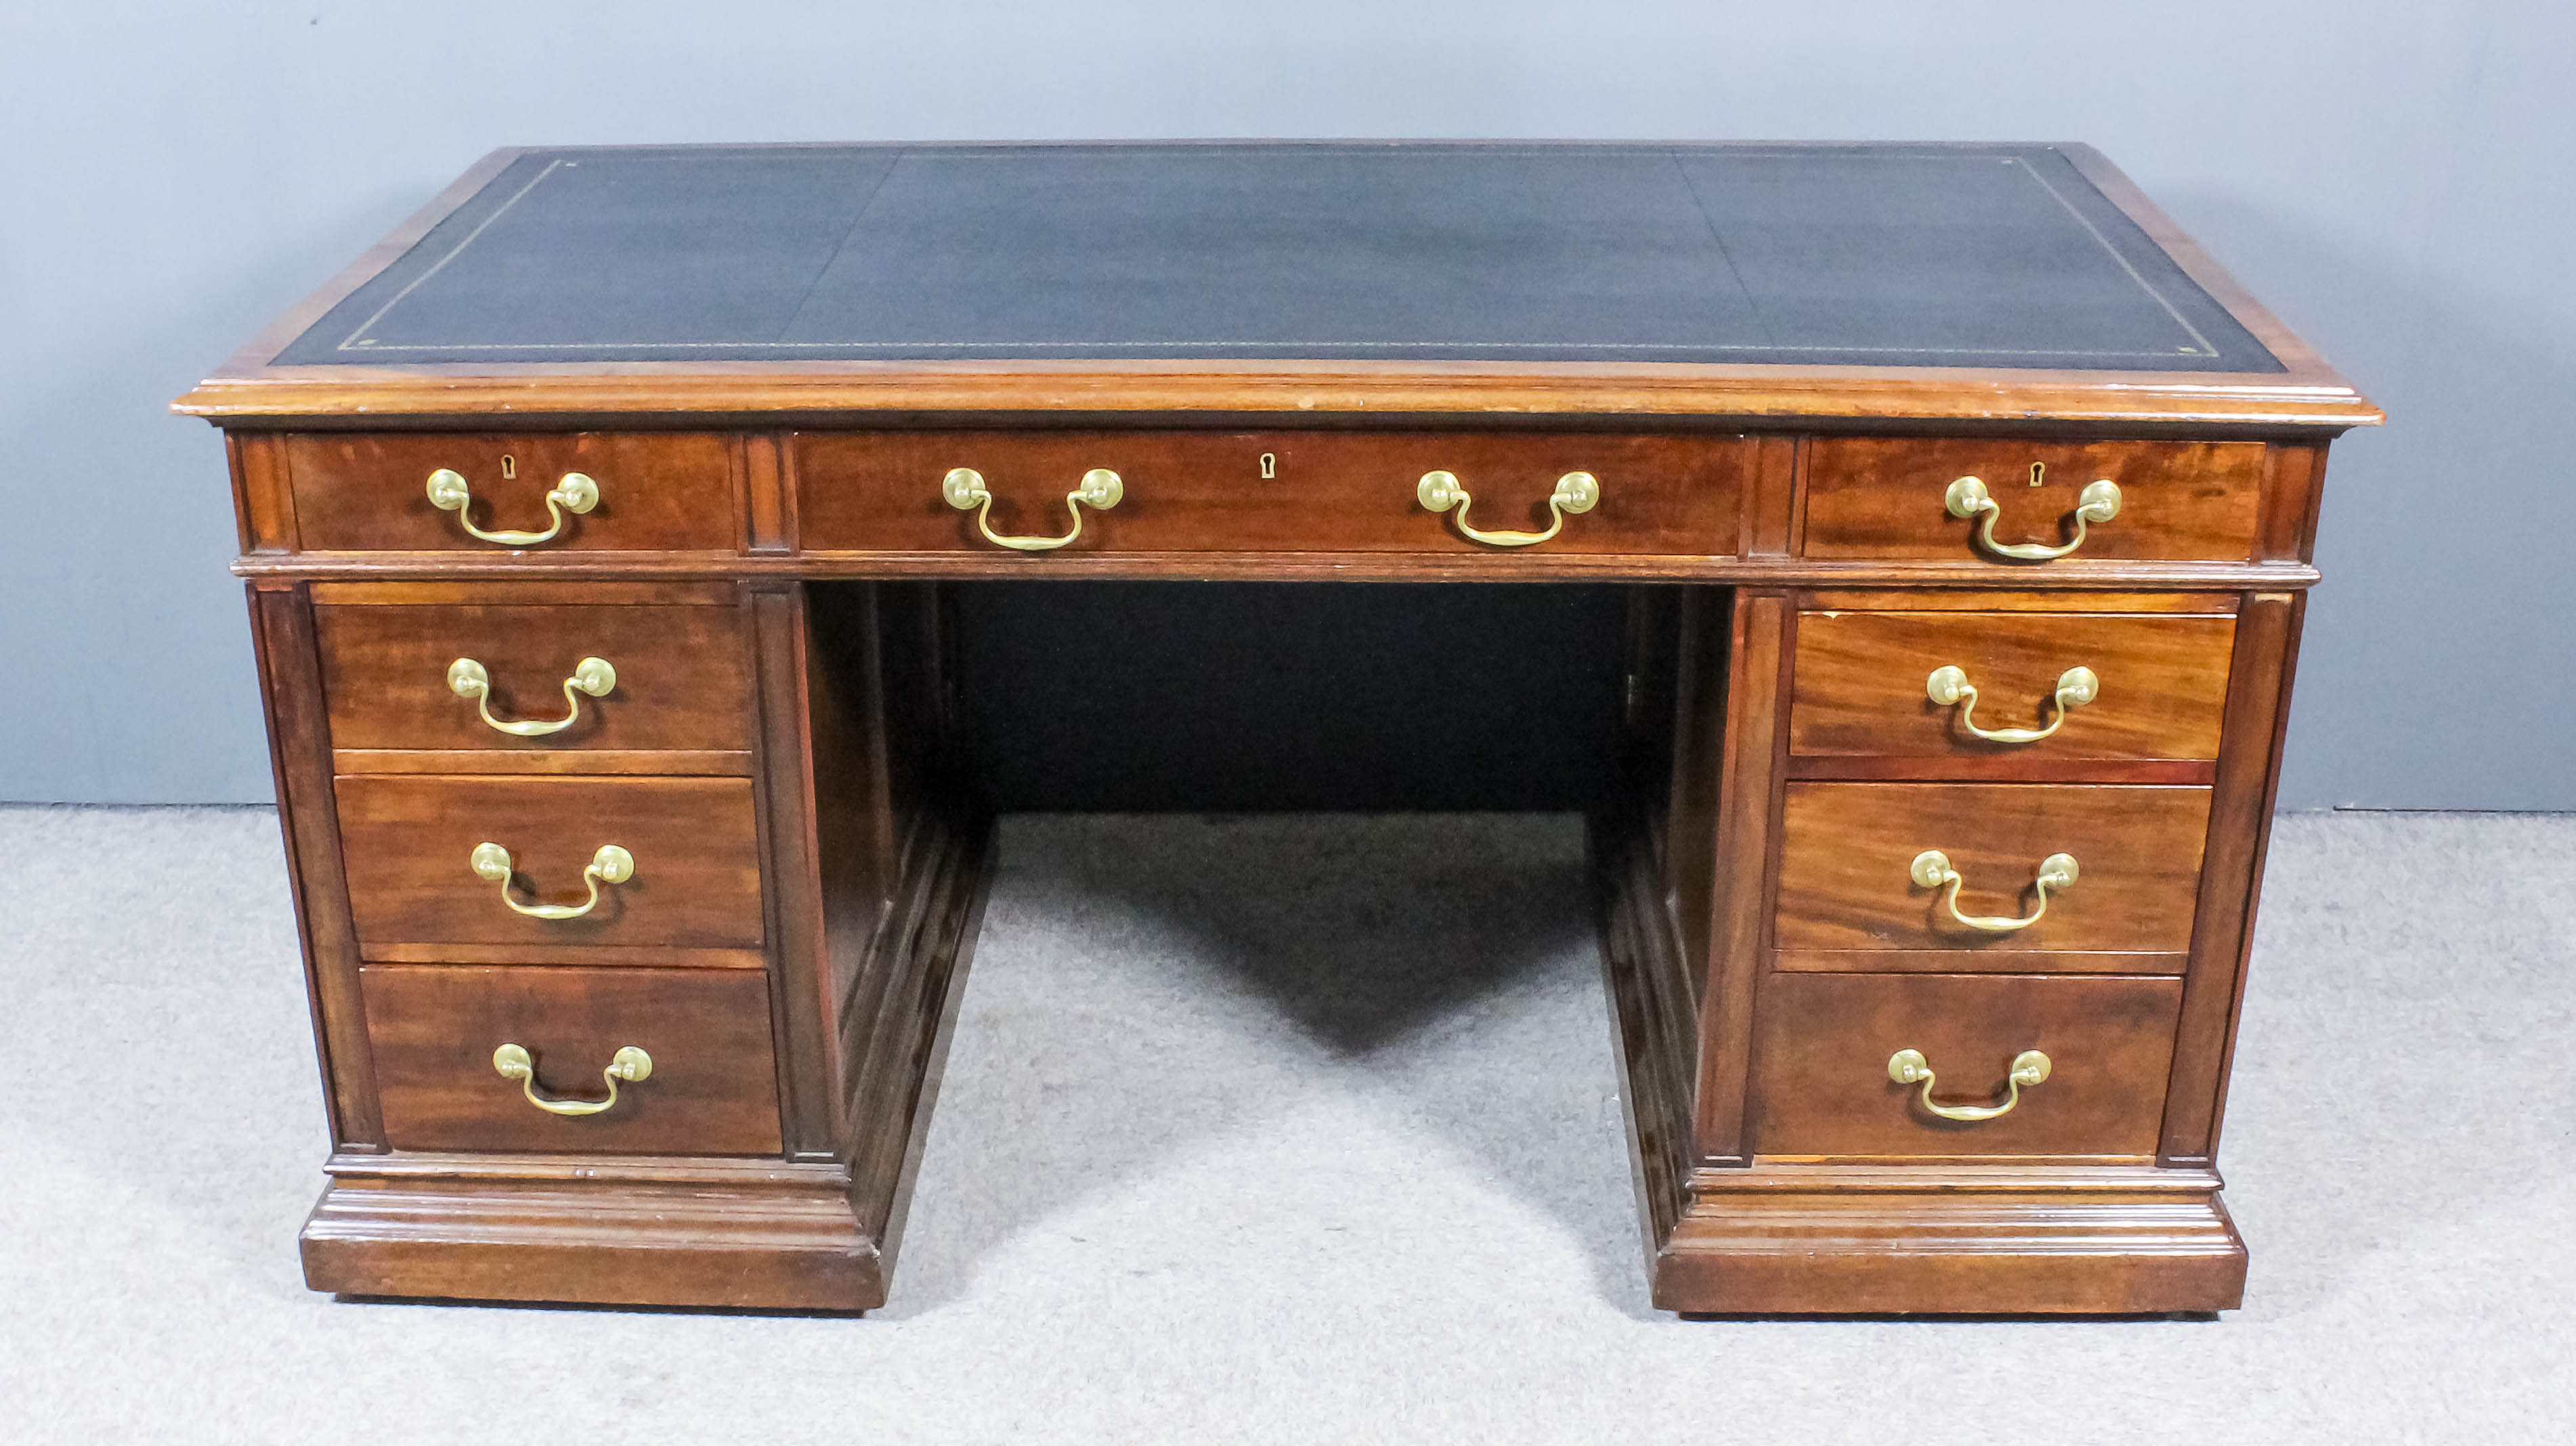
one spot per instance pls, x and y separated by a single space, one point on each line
642 1002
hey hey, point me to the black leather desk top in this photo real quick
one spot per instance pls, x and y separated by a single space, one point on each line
2000 256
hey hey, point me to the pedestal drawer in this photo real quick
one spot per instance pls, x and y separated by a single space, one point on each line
708 1084
1824 1044
2098 686
1853 892
417 867
1287 491
646 492
1888 497
629 667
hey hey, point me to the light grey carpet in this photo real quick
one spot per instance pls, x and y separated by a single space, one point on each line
1290 1130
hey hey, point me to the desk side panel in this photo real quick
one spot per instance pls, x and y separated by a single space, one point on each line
299 736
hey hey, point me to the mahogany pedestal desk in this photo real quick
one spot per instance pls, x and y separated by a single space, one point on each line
664 563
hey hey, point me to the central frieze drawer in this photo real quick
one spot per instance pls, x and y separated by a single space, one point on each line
419 873
708 1083
633 667
1853 895
1319 491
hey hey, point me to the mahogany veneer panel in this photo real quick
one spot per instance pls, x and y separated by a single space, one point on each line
658 491
683 676
408 838
1881 497
1333 491
1860 684
1823 1043
713 1089
1846 848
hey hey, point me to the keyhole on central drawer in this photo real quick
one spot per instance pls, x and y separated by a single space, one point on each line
2037 470
1269 464
509 465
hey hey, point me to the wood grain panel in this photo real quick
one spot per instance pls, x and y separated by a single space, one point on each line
1748 812
1881 497
658 491
1860 684
1846 848
299 751
2231 879
713 1089
683 676
1824 1042
408 839
263 505
1665 495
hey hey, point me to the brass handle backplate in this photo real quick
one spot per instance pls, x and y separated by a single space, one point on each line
2030 1067
575 493
611 865
629 1064
1576 492
467 678
1967 497
965 490
1932 870
1949 686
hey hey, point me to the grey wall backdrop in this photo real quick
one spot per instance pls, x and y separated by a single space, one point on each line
2394 179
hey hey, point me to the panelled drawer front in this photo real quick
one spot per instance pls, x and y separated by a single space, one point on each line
1666 495
1824 1041
658 491
1847 899
682 673
1883 497
713 1086
408 842
1861 678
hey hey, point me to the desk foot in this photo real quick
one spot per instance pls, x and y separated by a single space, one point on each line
741 1236
1970 1240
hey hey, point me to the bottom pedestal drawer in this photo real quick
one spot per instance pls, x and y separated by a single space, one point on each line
706 1085
1825 1042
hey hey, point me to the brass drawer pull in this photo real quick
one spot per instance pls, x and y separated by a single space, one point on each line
611 865
2030 1067
1932 870
1948 686
2098 502
965 490
575 493
1575 492
629 1064
467 678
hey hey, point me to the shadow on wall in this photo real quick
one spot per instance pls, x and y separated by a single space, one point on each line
2436 666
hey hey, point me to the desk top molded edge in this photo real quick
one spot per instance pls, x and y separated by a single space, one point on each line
248 390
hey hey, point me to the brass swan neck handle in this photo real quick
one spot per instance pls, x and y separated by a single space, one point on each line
1576 492
467 678
1931 870
611 865
964 490
576 492
630 1064
2030 1067
1949 687
1967 497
